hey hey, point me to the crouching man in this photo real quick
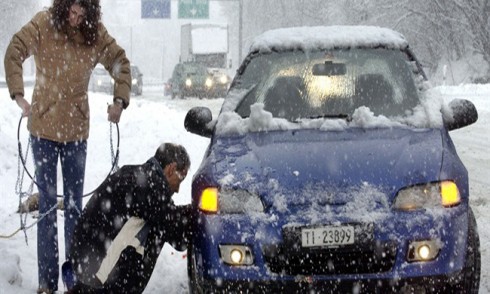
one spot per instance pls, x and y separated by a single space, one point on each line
125 224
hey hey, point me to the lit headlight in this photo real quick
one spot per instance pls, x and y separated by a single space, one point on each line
223 79
438 194
134 81
209 82
99 82
188 82
229 201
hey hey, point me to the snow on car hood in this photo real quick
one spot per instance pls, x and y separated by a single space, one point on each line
295 163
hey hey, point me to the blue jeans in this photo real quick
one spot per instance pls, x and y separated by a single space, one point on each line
73 157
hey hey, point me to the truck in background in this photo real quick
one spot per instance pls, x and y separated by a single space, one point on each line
207 44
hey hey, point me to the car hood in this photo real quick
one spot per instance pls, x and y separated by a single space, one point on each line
334 164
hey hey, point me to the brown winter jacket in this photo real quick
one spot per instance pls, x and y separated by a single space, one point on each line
59 107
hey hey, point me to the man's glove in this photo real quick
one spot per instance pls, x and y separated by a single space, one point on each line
179 232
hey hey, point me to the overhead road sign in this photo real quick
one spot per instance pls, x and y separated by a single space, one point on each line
193 8
155 8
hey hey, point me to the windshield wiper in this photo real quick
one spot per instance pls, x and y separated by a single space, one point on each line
347 117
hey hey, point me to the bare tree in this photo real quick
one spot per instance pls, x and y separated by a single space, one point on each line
438 29
476 15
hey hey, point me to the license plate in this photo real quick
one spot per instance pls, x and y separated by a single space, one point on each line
327 236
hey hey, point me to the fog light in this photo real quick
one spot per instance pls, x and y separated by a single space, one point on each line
236 254
423 250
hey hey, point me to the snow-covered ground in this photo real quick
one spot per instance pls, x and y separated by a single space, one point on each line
153 119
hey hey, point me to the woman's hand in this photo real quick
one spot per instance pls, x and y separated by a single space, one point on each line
114 112
23 104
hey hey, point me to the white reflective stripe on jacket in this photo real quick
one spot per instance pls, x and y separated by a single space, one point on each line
125 238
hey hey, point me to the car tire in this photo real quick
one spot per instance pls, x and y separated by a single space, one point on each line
194 286
471 273
468 281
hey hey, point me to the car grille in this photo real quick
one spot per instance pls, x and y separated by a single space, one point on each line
367 256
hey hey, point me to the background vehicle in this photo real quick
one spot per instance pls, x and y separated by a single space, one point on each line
330 168
167 87
137 80
191 79
208 45
101 80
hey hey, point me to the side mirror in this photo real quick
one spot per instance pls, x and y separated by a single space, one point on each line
464 114
197 121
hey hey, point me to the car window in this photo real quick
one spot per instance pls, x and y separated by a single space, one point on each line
195 69
295 84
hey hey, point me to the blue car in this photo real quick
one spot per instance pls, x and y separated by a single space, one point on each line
330 169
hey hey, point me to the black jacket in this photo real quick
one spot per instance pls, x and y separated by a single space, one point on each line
136 194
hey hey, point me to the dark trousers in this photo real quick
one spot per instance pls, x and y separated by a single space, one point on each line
73 157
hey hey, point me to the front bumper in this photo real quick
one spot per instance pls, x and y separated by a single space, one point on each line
376 265
433 284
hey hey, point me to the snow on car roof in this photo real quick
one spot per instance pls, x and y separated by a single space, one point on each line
325 37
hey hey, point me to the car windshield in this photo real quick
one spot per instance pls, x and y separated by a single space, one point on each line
296 84
195 69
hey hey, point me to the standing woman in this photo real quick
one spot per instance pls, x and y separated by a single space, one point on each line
67 41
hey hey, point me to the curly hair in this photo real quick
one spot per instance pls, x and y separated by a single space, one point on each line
88 28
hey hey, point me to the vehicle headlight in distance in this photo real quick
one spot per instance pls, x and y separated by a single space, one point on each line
134 81
229 201
429 195
223 79
188 82
209 82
